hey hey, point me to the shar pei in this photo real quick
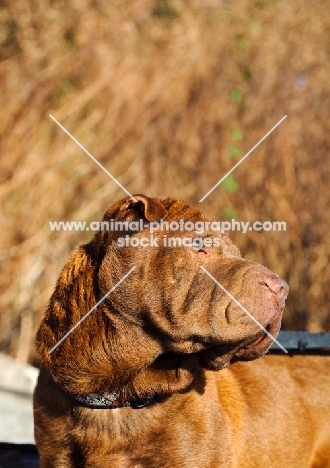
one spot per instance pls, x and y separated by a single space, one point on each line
148 350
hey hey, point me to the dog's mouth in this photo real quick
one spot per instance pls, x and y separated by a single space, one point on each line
256 342
217 356
255 348
261 343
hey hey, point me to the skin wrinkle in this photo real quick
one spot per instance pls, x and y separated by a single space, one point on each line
244 280
212 301
189 298
226 311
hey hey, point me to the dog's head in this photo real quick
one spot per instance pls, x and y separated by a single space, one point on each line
190 302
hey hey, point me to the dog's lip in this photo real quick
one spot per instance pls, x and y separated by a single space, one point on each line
262 341
252 345
256 341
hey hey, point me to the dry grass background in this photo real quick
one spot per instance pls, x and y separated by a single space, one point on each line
166 95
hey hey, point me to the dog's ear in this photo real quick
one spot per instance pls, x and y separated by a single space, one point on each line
151 209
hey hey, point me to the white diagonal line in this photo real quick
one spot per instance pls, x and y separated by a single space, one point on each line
244 309
92 157
90 311
242 159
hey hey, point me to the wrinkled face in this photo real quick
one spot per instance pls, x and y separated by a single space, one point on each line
170 293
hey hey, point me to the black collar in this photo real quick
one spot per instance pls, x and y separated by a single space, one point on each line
108 400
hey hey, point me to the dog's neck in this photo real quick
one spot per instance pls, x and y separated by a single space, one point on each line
108 400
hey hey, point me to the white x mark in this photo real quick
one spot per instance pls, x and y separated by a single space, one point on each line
241 160
92 157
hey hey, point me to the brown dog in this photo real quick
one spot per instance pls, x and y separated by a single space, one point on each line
141 381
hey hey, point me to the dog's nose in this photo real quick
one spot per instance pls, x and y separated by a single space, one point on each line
278 286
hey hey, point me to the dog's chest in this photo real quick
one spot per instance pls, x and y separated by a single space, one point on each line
125 438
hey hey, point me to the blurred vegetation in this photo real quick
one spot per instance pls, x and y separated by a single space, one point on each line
168 95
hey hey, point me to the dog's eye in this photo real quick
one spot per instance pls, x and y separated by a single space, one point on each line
197 245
